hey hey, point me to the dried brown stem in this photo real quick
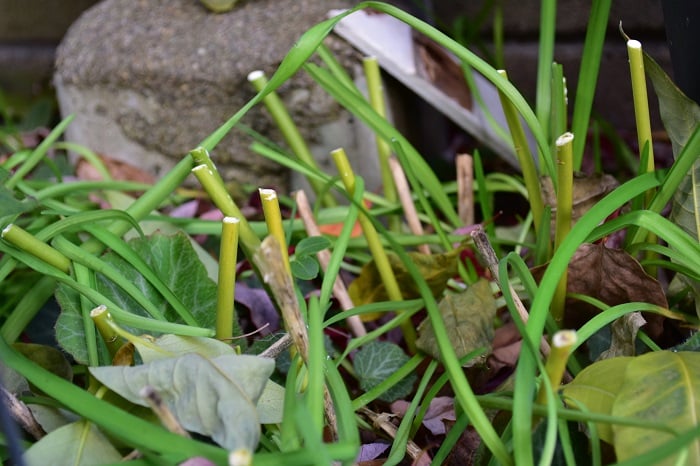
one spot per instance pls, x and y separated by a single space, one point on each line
279 280
465 188
409 209
381 421
339 290
21 414
489 257
277 347
167 418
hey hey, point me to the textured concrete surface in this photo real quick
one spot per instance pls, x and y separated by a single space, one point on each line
148 82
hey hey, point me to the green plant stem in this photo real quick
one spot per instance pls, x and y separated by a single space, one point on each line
588 75
38 153
225 309
643 122
100 316
563 217
545 55
336 68
381 260
559 111
527 164
86 278
273 219
221 199
200 156
641 101
562 345
26 309
290 132
375 91
24 240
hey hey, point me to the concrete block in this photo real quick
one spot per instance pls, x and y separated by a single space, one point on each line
149 82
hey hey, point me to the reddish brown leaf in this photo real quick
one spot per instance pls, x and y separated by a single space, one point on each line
588 190
612 276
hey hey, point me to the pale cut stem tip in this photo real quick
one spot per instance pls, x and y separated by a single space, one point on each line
240 457
7 229
565 139
99 310
634 44
231 220
564 338
267 194
255 75
199 168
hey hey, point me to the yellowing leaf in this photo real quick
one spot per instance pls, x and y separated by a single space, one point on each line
468 317
595 389
664 387
215 397
78 444
169 346
436 269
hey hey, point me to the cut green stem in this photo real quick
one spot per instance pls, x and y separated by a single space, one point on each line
381 260
375 91
565 175
225 310
562 344
25 241
527 163
643 122
221 198
290 132
273 220
106 327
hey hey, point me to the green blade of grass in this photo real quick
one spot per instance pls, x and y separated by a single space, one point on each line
588 75
525 372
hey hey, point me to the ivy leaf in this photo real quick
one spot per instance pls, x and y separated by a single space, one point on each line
214 397
468 317
377 361
174 260
78 443
9 204
311 245
271 403
70 330
304 267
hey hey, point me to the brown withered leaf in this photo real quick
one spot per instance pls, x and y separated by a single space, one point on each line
436 269
118 169
624 336
588 190
468 317
612 276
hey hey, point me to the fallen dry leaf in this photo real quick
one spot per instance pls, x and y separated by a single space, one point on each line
612 276
119 170
441 409
437 269
624 336
588 190
468 317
